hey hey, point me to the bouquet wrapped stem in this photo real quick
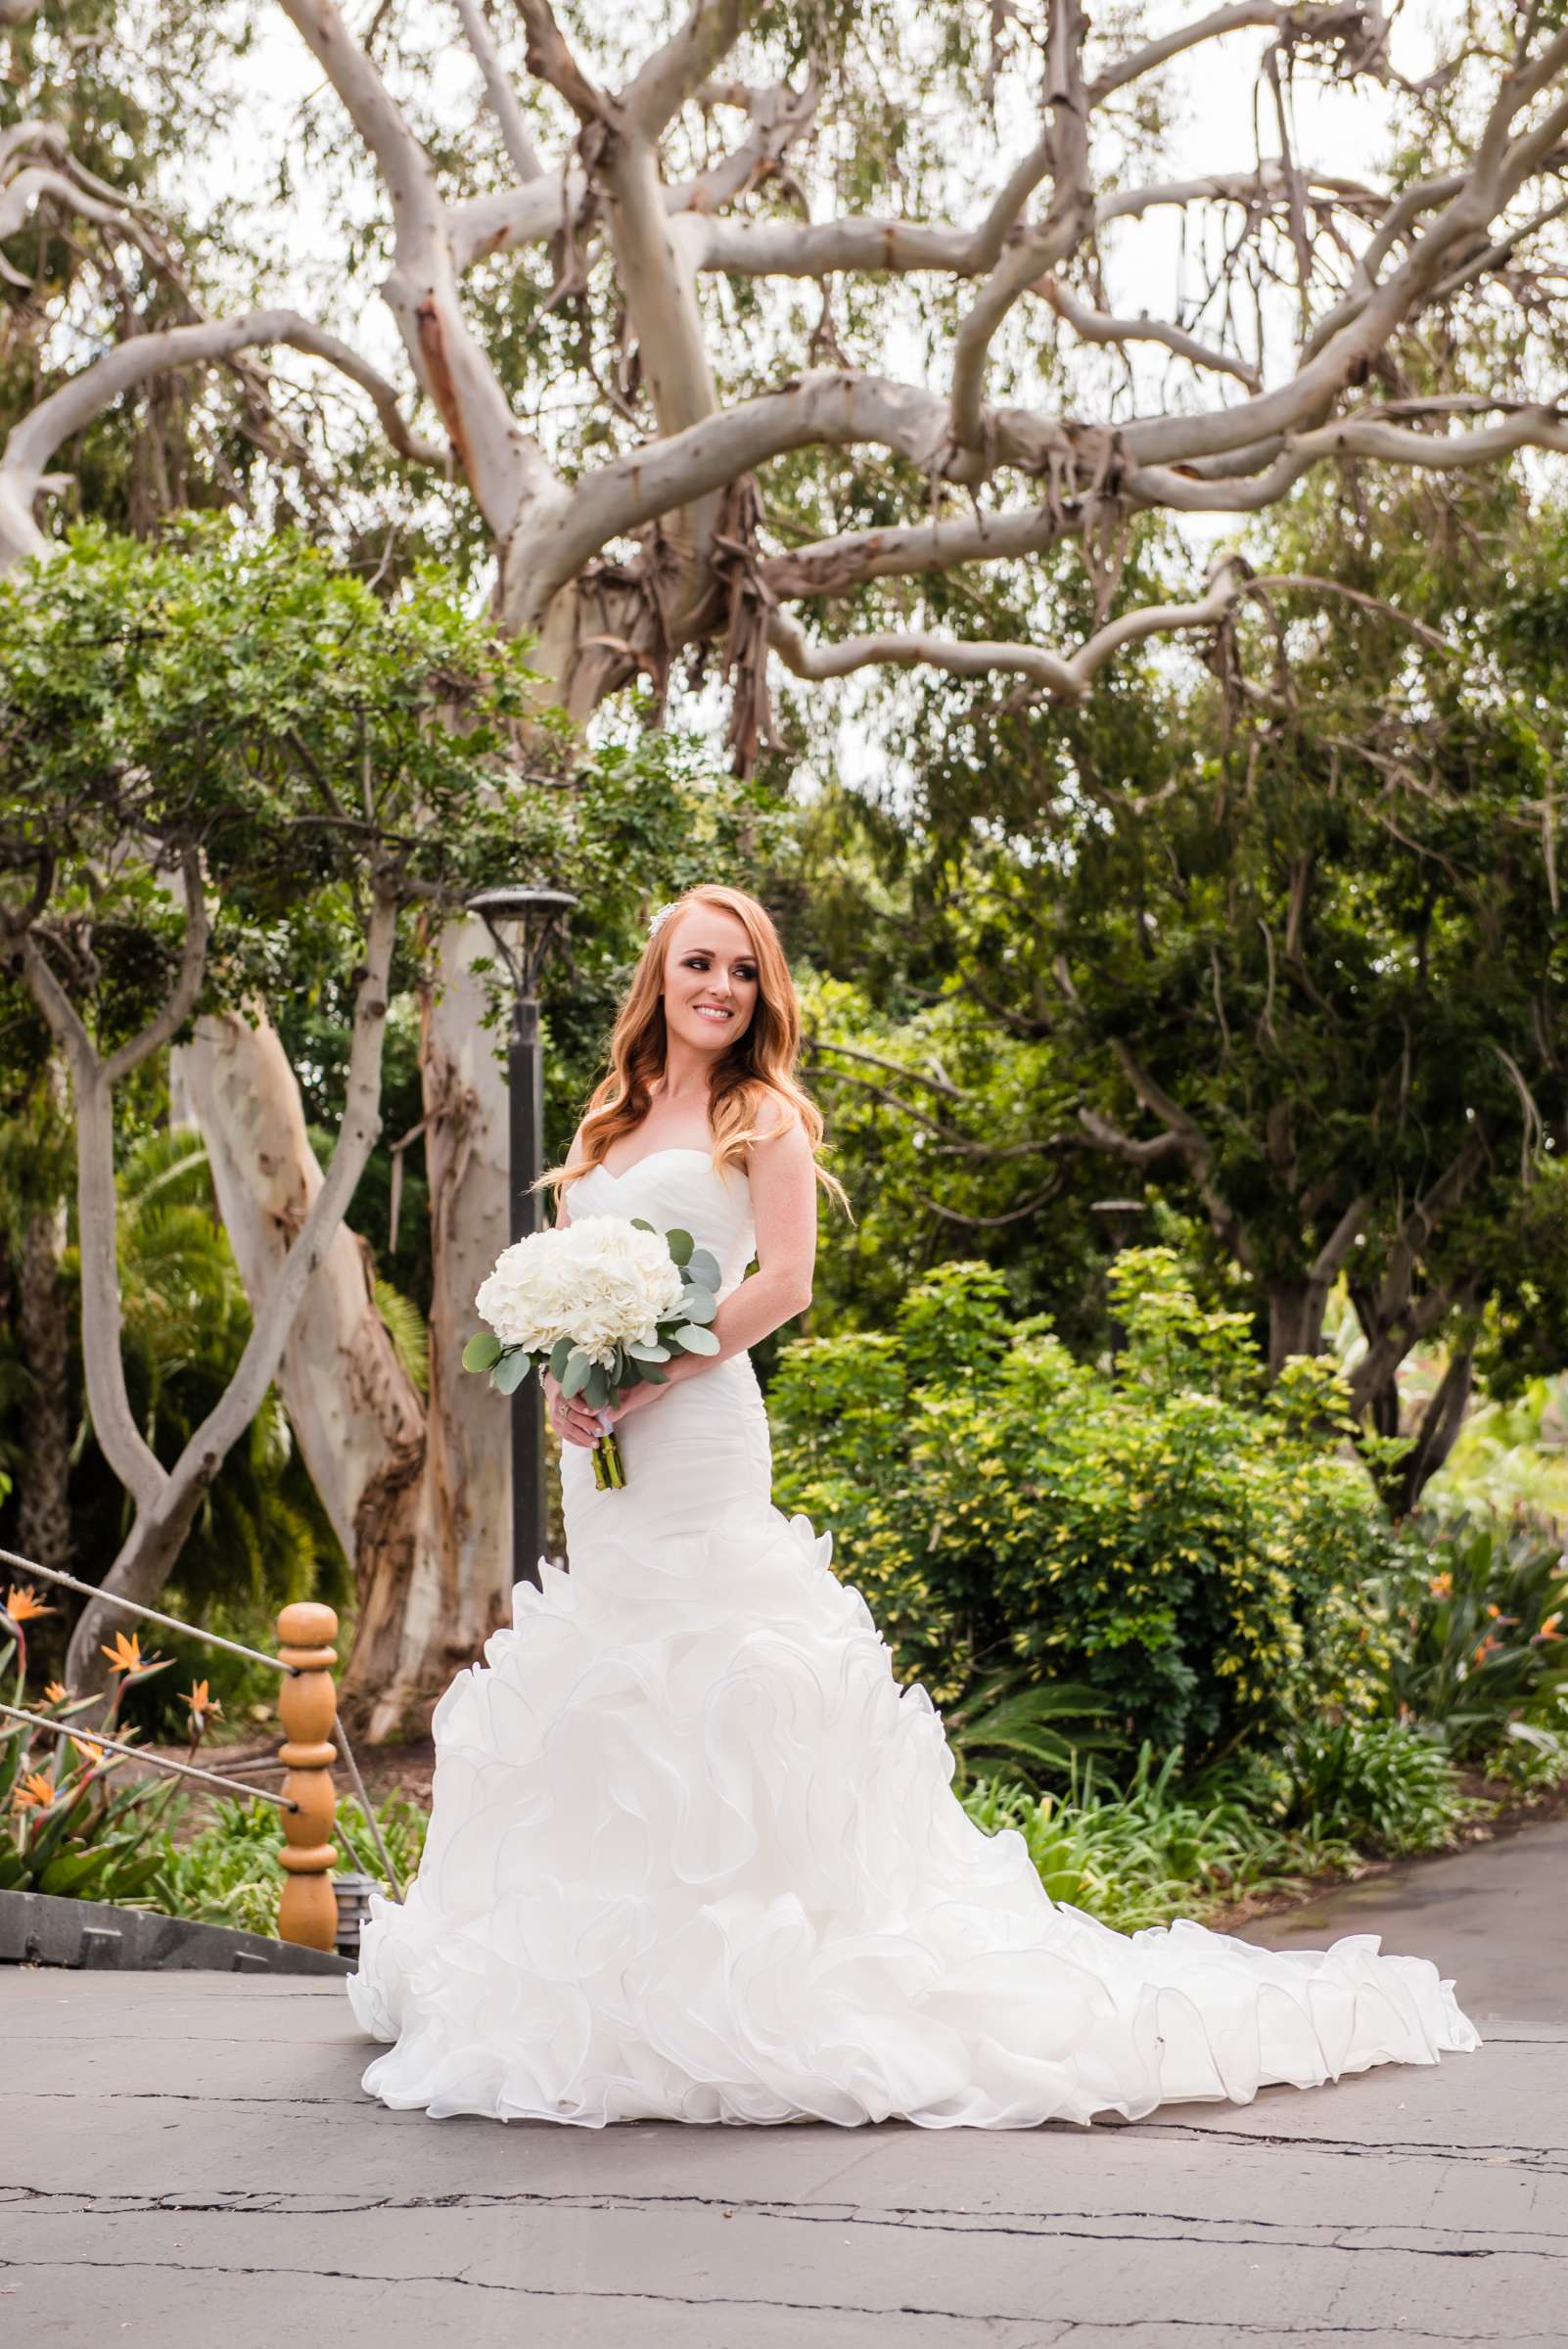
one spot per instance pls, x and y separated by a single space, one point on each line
601 1305
609 1469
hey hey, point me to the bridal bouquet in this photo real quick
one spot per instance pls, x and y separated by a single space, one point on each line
601 1303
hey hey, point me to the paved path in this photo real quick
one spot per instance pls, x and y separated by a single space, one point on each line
189 2161
1494 1918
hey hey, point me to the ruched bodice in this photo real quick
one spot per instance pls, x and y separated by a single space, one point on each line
694 1852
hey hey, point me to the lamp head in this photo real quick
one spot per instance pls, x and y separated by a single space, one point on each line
538 911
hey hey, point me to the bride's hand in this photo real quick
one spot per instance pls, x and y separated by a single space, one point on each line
633 1398
573 1422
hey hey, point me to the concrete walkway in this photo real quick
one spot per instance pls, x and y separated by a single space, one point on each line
189 2161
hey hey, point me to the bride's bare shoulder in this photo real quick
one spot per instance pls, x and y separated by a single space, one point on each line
777 1116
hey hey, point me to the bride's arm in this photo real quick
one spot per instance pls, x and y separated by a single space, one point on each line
783 1181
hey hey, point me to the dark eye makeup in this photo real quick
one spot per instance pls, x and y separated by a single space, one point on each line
747 970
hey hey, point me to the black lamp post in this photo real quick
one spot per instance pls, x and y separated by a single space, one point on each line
540 918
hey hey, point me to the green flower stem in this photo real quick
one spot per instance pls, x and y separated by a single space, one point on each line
609 1470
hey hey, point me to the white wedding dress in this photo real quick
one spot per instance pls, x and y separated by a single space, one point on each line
694 1854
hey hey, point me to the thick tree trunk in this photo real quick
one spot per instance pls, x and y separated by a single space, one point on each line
166 1499
419 1496
358 1419
43 1474
1436 1436
357 1415
1296 1310
458 1588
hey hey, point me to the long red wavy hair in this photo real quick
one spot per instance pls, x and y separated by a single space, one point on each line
760 1061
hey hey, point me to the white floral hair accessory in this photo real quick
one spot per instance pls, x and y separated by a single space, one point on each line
662 916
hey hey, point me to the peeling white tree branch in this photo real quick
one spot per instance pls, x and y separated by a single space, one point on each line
44 429
1335 22
503 465
1360 436
499 94
676 71
166 1499
1068 677
1094 327
93 1081
550 59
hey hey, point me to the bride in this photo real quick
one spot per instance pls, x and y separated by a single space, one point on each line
694 1854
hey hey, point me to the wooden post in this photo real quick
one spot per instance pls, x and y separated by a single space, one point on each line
307 1707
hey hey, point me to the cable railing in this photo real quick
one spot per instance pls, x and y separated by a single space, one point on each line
315 1740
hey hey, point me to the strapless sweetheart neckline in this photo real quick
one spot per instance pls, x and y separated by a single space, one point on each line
680 1150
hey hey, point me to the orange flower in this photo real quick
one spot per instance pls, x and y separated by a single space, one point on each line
1548 1629
202 1706
33 1791
55 1692
126 1653
1489 1646
89 1749
23 1604
1441 1586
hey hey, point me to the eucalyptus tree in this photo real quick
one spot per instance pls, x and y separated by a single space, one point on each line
1282 948
630 523
220 764
747 337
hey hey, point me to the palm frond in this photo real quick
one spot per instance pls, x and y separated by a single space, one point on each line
1044 1726
405 1326
171 1164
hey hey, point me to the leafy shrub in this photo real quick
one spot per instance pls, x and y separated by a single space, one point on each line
1383 1784
229 1872
1153 1848
1189 1545
1480 1603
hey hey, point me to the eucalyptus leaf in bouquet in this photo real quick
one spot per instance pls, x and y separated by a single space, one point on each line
602 1304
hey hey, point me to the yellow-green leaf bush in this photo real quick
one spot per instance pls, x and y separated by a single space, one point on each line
1192 1544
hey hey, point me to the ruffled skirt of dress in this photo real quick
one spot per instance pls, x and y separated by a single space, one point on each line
695 1855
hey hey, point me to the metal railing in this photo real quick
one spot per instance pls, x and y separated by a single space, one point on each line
315 1740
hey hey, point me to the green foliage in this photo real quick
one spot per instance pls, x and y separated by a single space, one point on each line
405 1326
1185 1544
1510 1454
66 1827
228 1871
1153 1848
1382 1784
1033 1730
1278 933
1480 1606
243 697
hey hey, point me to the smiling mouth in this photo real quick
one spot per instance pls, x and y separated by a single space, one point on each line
711 1011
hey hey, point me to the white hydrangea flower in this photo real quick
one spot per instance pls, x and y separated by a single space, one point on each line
600 1282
